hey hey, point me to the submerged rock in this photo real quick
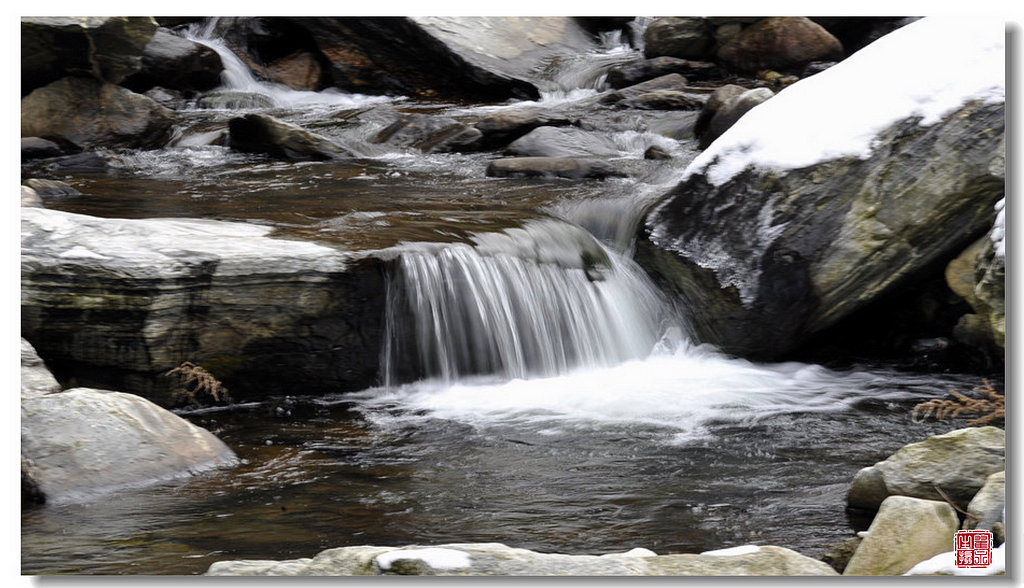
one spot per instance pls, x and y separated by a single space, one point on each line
573 168
563 142
430 134
261 133
495 559
118 302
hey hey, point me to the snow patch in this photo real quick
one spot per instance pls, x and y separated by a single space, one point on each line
438 558
79 252
945 563
926 69
731 551
998 234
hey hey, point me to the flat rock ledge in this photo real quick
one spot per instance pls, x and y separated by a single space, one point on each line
495 559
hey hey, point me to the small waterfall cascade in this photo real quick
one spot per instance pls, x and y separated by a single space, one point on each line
238 77
535 301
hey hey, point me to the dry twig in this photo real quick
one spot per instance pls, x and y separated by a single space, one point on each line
194 381
989 408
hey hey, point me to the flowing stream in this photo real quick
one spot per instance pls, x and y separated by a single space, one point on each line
539 391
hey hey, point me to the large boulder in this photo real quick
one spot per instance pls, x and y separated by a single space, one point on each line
798 220
174 62
82 443
107 48
563 142
723 109
494 559
89 114
262 133
904 532
954 465
779 43
484 58
116 303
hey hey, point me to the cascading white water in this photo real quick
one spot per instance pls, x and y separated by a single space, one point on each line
535 301
237 76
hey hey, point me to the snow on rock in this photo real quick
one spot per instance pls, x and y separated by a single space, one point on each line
731 551
965 61
944 564
999 229
439 558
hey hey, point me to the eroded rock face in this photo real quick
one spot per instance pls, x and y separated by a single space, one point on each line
494 559
82 443
89 113
116 303
107 48
679 37
958 463
769 257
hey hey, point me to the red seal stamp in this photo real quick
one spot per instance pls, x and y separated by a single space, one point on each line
972 549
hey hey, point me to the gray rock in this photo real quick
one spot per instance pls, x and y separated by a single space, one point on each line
107 48
45 187
430 134
664 100
621 76
731 111
122 301
987 510
573 168
233 100
83 443
494 559
36 379
672 82
957 462
562 142
905 531
30 197
502 127
89 113
771 257
37 148
261 133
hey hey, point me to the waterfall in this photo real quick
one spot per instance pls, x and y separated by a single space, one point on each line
238 77
535 301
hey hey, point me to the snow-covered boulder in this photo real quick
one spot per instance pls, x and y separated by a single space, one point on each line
494 559
803 212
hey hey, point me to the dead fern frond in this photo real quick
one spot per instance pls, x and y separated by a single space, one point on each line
194 383
989 408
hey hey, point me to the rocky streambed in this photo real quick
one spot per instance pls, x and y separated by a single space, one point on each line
522 306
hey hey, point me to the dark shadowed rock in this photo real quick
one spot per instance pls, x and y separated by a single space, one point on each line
261 133
769 257
672 82
89 113
574 168
562 142
174 62
397 55
779 43
621 76
664 100
107 48
715 102
502 127
37 148
682 37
